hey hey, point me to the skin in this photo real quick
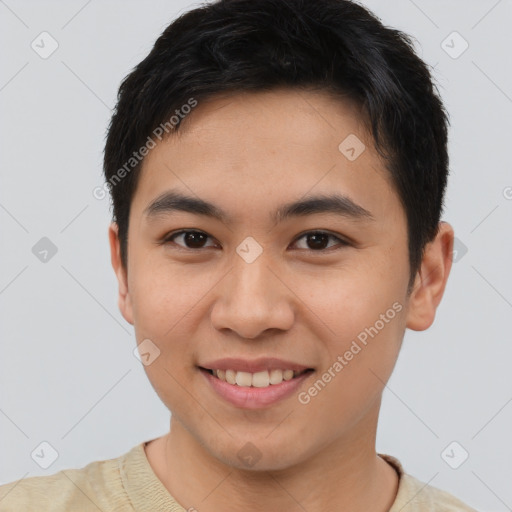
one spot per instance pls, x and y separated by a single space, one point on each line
250 153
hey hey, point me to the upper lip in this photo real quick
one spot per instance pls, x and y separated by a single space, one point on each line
254 365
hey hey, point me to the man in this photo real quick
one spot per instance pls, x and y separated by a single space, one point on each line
277 170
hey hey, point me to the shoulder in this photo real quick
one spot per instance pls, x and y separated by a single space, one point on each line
416 496
96 486
428 497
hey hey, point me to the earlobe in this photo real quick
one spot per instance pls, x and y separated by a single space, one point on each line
431 279
124 298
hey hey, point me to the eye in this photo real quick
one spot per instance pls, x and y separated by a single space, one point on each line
192 239
317 240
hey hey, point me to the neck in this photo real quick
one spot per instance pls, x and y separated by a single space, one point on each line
346 475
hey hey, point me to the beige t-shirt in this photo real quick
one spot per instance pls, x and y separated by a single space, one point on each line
129 484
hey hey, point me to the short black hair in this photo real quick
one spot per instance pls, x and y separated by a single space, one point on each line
336 46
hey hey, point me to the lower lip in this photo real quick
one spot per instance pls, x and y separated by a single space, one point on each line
251 397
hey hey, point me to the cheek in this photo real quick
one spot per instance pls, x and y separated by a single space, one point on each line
170 303
361 323
164 304
160 302
161 294
348 298
359 362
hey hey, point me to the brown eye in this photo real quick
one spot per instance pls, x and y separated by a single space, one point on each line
318 240
191 239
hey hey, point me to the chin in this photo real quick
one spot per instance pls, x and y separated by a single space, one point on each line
257 456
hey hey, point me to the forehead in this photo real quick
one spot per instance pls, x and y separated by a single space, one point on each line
253 150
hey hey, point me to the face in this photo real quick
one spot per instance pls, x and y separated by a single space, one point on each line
322 286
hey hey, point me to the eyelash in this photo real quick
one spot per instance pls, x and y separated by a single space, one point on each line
169 239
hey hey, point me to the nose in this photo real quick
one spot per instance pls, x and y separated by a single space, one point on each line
252 299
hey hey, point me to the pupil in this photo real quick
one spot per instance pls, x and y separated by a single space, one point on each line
315 240
192 237
318 240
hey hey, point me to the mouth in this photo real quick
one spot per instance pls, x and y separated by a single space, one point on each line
262 379
255 390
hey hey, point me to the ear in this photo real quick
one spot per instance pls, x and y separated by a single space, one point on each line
431 279
124 299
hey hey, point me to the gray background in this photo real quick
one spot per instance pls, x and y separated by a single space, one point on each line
67 372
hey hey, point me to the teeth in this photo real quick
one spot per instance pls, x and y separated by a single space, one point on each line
230 376
260 379
257 380
288 374
243 378
276 376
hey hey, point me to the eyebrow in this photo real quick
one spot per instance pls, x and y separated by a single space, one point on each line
172 201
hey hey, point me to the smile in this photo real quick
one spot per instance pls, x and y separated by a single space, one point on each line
257 390
261 379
